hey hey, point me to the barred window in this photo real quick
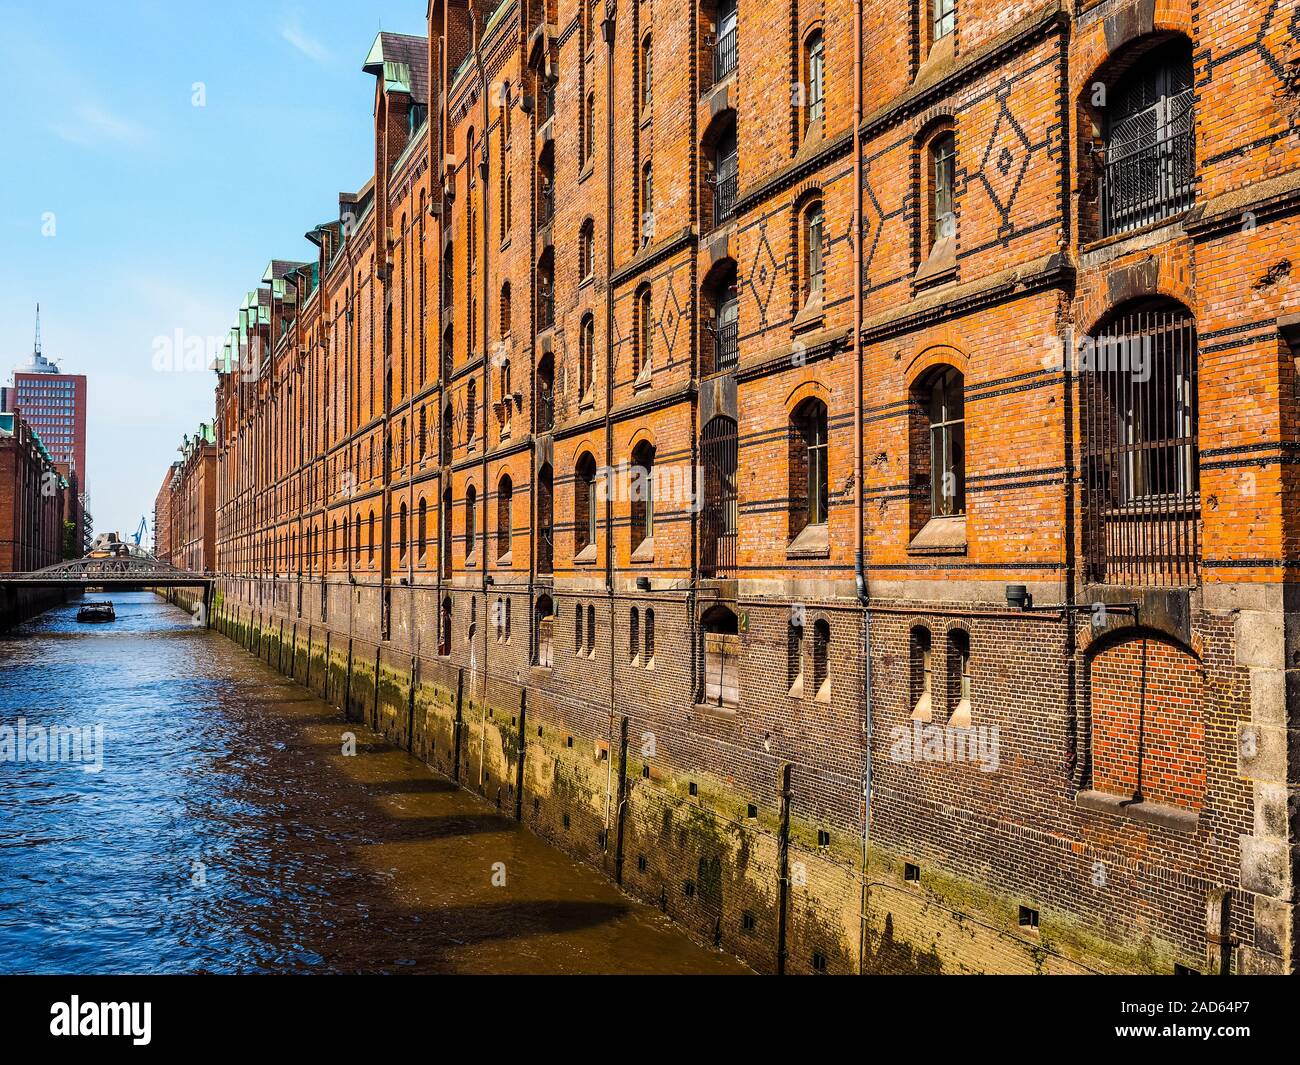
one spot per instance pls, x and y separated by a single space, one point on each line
945 403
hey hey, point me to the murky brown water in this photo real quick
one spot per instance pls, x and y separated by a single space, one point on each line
226 831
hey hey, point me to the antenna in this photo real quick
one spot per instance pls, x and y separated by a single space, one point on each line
37 348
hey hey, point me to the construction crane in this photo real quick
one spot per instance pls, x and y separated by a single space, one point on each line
141 532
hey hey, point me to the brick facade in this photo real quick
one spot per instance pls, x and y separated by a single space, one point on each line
861 450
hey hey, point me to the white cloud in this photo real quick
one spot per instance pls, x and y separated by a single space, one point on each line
92 123
292 31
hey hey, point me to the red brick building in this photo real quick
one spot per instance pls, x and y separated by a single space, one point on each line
53 404
710 416
184 515
162 515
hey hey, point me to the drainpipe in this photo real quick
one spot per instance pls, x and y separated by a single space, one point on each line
859 472
607 29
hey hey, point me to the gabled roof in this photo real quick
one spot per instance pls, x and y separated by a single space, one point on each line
403 61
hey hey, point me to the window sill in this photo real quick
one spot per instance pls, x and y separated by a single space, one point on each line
1173 818
647 118
924 710
588 168
508 559
939 268
940 536
646 551
727 713
585 557
810 316
643 380
812 542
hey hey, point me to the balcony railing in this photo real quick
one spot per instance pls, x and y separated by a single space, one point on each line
1150 170
725 184
726 346
724 54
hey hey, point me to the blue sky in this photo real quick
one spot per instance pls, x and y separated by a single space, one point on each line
163 213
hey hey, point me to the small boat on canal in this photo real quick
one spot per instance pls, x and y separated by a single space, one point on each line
96 612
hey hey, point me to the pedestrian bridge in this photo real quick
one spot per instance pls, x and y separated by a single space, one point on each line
121 572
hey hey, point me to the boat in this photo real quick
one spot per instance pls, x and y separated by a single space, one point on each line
96 612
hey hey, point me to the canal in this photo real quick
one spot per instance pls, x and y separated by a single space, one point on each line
216 825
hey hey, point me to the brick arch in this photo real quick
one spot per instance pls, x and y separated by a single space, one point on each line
1146 694
936 355
804 389
643 433
1134 285
1108 56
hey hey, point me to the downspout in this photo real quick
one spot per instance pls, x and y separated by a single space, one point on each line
607 29
859 472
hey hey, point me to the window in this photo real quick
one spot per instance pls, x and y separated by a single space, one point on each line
794 655
577 628
648 659
590 139
809 480
507 312
641 491
959 677
507 101
356 537
471 409
943 18
946 413
643 349
726 173
724 50
647 72
401 532
721 658
814 271
922 675
544 615
720 517
591 629
586 356
586 249
507 207
815 86
444 548
545 519
721 350
943 216
634 635
505 510
821 646
647 203
1150 142
471 520
584 504
422 529
1138 386
444 627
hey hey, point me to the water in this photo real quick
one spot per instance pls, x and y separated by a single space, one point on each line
226 833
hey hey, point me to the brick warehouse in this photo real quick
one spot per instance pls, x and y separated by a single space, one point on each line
592 459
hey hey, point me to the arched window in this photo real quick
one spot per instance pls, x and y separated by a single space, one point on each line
506 312
471 522
422 529
814 63
356 536
591 125
634 635
1139 384
794 654
370 548
813 273
507 628
922 675
721 658
944 403
648 658
641 491
401 531
647 73
809 479
507 207
1150 139
941 201
726 172
445 533
505 513
719 453
544 617
643 349
586 249
647 202
959 678
471 409
821 648
591 629
424 431
444 627
545 519
577 628
586 356
584 504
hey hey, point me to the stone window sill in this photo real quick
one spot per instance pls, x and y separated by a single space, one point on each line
812 542
810 316
940 536
727 713
588 169
646 551
1173 818
939 268
585 557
